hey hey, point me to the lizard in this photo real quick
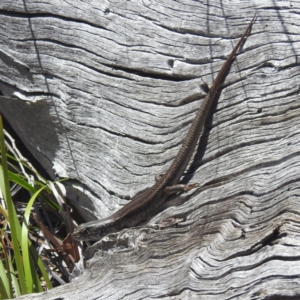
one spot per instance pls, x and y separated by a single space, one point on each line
142 204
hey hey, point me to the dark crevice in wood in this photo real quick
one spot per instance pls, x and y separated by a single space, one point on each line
279 296
30 15
124 135
154 75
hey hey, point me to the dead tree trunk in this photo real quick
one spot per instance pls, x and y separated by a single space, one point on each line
104 92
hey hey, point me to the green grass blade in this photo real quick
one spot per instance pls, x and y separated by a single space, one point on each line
14 281
5 287
35 278
14 223
3 212
16 178
41 266
24 164
25 242
9 269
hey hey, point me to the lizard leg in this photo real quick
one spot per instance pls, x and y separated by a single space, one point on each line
169 190
158 176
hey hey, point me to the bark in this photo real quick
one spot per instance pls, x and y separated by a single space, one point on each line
103 92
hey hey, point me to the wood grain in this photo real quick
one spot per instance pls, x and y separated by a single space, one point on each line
107 90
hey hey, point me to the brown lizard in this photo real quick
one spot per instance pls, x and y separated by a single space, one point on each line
142 204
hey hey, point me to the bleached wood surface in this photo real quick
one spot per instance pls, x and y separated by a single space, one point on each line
104 94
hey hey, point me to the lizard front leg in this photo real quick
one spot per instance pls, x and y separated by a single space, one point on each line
176 188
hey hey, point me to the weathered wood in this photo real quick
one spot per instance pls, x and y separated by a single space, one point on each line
106 93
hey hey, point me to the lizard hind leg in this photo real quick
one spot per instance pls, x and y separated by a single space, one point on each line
170 190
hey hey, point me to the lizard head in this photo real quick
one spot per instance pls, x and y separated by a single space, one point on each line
95 230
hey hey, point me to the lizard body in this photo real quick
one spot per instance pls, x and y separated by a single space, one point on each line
142 204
